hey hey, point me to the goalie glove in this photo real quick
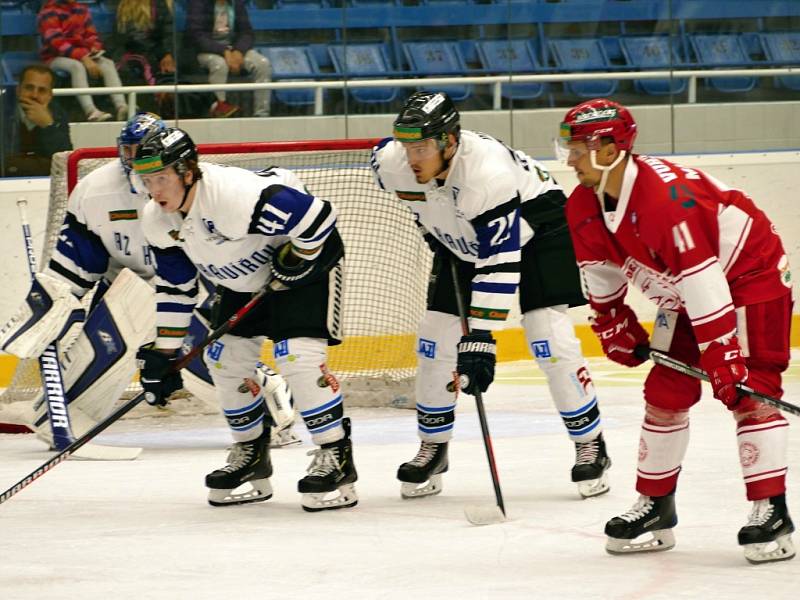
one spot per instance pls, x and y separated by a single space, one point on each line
476 361
156 375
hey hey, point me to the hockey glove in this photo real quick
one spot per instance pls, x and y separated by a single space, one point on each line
476 360
156 375
725 366
290 270
620 333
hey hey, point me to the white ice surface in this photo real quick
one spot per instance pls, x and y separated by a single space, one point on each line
143 529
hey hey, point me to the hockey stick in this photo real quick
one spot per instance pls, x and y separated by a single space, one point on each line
53 380
667 361
132 403
480 515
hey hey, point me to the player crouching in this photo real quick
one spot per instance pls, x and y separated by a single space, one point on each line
246 231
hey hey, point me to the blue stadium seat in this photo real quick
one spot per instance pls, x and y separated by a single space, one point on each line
292 63
722 50
309 4
438 58
783 49
13 62
651 53
583 54
365 61
514 56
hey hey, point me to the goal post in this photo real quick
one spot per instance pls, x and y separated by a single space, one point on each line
386 261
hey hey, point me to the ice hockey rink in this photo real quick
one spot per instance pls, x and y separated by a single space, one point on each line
143 529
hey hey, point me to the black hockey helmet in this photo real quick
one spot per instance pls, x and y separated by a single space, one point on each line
427 115
163 149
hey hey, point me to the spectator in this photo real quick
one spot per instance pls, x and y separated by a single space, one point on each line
221 31
70 42
144 39
37 128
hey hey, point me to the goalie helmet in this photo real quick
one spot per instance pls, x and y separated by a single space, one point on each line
134 131
427 115
171 147
595 119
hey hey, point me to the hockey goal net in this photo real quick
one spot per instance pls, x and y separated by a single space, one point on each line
386 262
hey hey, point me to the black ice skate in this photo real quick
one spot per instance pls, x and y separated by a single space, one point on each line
331 471
767 535
655 516
422 475
248 462
591 466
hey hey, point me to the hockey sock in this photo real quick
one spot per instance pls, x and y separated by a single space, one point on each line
662 446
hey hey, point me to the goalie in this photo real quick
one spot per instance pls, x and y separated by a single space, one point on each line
101 249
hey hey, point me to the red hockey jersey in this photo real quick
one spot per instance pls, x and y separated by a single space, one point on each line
686 240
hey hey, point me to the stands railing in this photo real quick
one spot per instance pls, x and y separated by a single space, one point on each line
496 81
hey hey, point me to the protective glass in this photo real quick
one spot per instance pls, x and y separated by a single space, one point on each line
567 151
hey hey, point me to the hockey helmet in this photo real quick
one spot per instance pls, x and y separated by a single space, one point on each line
427 115
595 119
134 131
163 149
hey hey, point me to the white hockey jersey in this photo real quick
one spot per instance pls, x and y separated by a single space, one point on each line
235 222
102 231
476 213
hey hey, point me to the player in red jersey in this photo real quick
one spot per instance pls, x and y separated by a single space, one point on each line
713 263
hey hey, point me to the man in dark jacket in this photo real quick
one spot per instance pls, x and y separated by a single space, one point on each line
223 36
37 128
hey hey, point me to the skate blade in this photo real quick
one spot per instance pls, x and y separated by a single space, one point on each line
593 487
281 439
96 452
780 549
416 490
345 497
259 490
660 540
484 514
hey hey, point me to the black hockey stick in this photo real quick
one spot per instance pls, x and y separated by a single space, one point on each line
131 404
480 515
667 361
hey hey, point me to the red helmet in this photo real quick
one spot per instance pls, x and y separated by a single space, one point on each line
598 118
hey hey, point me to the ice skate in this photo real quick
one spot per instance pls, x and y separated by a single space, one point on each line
248 463
590 471
767 535
654 516
331 475
422 475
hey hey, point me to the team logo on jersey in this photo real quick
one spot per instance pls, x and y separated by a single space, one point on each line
175 235
108 341
411 196
123 215
427 348
281 349
785 273
215 237
214 351
541 349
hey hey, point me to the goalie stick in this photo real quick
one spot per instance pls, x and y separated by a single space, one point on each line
131 404
55 395
667 361
479 514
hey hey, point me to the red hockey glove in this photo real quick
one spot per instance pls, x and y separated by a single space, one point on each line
620 333
725 366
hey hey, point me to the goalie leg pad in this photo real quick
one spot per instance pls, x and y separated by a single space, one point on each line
100 364
41 318
551 338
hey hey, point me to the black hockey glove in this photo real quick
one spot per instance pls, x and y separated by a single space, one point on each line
291 271
476 360
156 375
